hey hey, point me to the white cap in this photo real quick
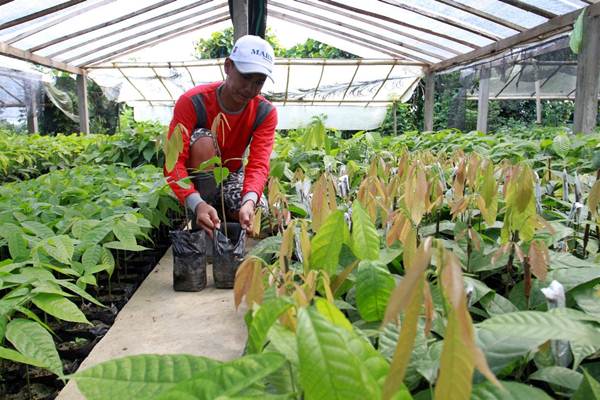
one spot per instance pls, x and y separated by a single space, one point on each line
253 55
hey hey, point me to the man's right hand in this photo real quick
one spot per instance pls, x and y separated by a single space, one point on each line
207 217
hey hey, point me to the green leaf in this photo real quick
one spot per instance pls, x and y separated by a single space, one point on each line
589 389
139 377
59 307
96 235
538 327
59 247
220 174
91 256
227 379
365 240
284 341
79 291
107 259
34 342
509 391
10 354
576 36
332 313
327 243
124 246
374 285
328 369
125 232
17 245
561 144
173 146
496 304
38 229
586 297
264 318
573 277
560 376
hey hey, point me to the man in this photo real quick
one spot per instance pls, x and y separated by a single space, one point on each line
249 120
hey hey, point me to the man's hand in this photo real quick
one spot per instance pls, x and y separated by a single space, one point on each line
246 215
207 217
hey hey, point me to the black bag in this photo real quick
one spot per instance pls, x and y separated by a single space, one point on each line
189 260
228 253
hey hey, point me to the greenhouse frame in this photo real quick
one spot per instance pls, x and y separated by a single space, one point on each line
412 214
413 40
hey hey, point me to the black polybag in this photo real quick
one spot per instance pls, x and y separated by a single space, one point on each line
228 253
189 260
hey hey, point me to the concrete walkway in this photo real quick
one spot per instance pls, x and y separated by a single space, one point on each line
159 320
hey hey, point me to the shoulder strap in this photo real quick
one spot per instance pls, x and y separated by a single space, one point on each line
200 109
263 109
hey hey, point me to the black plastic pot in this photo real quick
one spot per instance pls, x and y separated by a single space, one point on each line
228 253
189 260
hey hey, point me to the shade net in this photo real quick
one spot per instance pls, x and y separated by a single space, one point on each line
517 79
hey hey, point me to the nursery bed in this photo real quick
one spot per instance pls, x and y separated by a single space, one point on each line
161 321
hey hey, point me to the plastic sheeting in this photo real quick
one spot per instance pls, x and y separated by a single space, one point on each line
418 30
302 89
19 92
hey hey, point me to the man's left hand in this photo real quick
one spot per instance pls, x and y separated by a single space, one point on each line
246 215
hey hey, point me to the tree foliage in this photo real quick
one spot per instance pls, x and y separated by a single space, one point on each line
220 44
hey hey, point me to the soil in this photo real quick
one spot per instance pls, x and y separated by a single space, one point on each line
75 341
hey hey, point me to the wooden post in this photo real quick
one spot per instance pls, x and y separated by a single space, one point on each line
538 93
32 108
84 117
484 99
239 18
588 70
394 111
429 101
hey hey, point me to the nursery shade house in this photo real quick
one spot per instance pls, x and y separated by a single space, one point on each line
501 43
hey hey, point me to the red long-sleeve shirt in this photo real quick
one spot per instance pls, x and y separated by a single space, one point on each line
254 125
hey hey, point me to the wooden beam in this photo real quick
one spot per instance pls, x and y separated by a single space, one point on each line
530 8
133 26
349 37
362 103
538 32
278 61
84 115
318 83
376 24
58 20
429 101
443 19
588 71
164 85
39 14
99 26
483 14
158 39
484 99
356 29
14 52
394 112
351 82
382 83
399 23
239 15
287 84
96 50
